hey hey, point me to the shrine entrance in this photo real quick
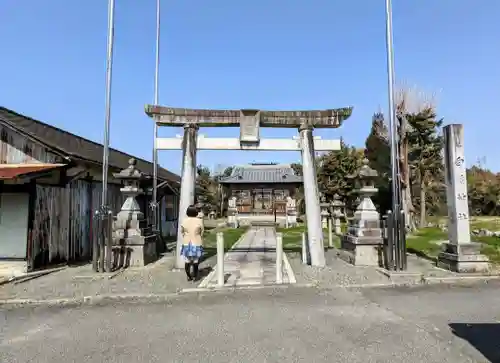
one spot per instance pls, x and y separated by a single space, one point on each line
249 122
263 201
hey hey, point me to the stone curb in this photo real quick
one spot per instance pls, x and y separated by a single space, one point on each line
88 300
245 287
109 298
96 299
458 280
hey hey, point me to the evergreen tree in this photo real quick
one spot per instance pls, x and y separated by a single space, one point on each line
207 187
378 153
337 173
297 168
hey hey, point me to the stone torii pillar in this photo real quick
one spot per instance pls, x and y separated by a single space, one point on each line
188 182
311 194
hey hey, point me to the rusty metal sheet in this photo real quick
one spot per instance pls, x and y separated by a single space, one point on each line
12 171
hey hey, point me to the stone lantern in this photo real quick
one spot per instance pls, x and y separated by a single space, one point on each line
363 240
325 214
133 239
337 206
232 213
291 212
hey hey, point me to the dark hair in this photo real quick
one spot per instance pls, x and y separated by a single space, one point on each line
192 211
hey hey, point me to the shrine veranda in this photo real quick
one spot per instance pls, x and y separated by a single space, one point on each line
249 121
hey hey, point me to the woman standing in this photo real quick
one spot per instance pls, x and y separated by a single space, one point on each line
192 242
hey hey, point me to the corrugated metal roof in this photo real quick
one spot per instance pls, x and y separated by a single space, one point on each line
279 173
11 171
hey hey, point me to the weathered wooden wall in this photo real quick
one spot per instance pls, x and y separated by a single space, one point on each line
62 226
169 207
17 149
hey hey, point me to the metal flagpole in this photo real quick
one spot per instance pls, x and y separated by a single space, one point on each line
104 214
109 68
155 209
396 187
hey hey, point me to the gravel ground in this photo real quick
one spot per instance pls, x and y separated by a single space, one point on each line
158 278
291 325
336 273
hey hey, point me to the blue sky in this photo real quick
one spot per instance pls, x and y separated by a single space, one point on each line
268 54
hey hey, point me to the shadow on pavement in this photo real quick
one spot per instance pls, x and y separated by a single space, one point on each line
203 272
483 337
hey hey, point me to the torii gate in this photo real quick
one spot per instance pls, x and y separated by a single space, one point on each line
249 121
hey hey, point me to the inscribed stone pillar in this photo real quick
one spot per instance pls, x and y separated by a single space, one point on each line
459 253
188 180
313 214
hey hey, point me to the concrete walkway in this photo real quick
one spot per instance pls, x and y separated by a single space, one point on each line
252 261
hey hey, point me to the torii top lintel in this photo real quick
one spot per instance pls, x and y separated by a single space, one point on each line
168 116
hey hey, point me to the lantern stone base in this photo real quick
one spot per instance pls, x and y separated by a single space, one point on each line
361 251
291 219
232 218
463 258
135 251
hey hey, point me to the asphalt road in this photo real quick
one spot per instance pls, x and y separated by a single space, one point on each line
433 324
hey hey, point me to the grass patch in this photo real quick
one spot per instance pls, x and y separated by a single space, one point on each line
231 236
292 238
491 247
491 223
423 242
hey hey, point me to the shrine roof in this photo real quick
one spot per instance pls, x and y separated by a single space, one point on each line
262 173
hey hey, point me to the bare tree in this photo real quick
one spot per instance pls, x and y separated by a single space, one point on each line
409 102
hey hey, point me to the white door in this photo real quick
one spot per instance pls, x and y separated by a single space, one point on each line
13 224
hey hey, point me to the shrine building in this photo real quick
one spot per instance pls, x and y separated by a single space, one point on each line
260 191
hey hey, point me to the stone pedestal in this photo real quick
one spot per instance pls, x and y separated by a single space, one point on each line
325 214
459 254
291 213
362 244
465 257
337 206
232 213
134 242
